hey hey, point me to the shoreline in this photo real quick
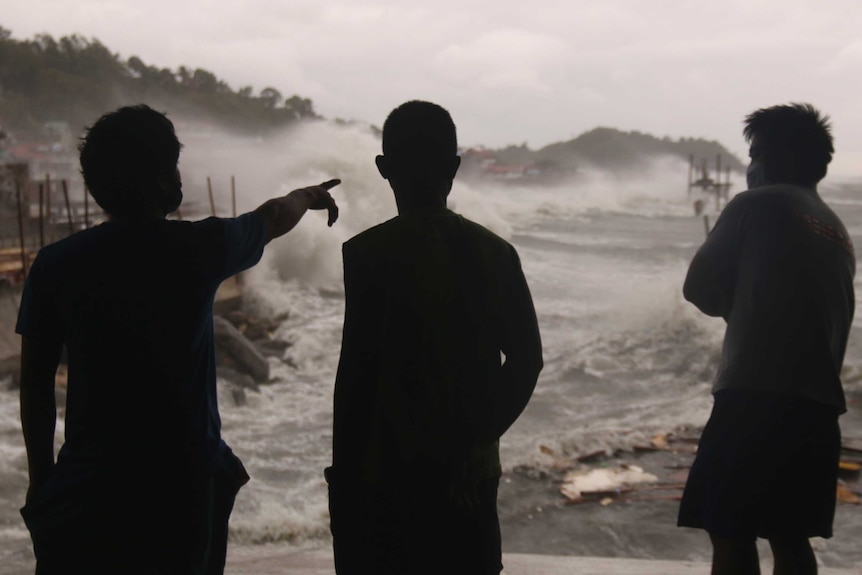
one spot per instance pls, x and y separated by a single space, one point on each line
544 533
277 560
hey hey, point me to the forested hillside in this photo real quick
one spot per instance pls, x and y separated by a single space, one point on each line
75 79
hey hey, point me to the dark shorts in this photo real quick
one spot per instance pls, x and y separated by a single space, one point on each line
413 529
134 523
766 466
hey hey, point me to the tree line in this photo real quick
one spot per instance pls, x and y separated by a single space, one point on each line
77 79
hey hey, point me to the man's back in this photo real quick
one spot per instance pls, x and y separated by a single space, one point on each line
133 305
778 266
792 295
431 301
143 482
422 397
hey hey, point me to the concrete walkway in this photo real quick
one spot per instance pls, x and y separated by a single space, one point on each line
282 560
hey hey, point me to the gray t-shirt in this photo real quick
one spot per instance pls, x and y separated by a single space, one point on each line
778 267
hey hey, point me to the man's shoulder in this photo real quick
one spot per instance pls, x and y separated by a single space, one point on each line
110 240
397 229
76 245
776 194
379 233
770 203
482 233
752 198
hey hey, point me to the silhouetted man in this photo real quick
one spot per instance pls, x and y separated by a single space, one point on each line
421 395
778 267
143 483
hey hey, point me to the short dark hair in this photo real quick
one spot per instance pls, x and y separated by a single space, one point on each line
793 139
419 133
125 151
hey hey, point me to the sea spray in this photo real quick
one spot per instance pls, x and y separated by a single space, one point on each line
605 255
626 357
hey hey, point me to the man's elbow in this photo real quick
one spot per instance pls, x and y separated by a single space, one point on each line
528 367
536 364
266 214
708 301
690 291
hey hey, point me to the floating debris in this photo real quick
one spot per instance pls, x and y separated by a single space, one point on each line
659 441
603 482
558 461
845 495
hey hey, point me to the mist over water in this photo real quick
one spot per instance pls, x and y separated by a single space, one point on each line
314 152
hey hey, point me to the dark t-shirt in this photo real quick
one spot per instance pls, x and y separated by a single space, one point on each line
132 303
432 300
779 268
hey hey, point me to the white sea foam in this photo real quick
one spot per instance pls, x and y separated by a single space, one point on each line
625 356
319 151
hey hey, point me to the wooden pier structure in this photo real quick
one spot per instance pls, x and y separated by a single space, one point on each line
38 212
719 186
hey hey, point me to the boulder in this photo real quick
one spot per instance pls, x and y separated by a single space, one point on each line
238 395
243 353
274 348
235 393
242 380
256 330
237 318
13 377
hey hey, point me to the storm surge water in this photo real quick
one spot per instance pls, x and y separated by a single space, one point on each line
605 257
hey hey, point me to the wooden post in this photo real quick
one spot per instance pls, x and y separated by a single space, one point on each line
233 195
706 223
179 215
86 208
210 190
727 183
41 216
48 197
690 171
68 207
21 229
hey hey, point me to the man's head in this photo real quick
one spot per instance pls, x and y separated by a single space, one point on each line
420 154
129 163
790 144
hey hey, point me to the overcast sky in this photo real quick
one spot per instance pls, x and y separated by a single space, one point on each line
535 71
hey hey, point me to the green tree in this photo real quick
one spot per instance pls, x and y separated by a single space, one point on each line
270 97
76 79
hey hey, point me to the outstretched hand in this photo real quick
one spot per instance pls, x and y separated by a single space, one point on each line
280 215
322 200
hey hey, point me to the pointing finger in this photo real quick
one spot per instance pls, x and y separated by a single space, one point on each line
333 213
